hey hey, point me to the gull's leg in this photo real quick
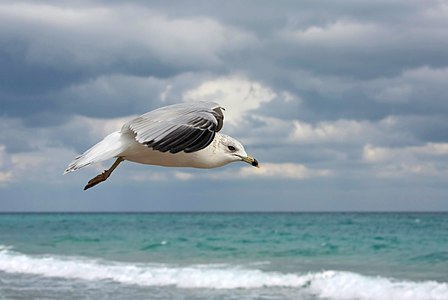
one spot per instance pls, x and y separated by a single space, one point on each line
103 176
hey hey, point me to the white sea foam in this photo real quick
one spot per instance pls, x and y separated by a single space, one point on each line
327 284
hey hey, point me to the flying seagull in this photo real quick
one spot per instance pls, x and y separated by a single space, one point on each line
179 135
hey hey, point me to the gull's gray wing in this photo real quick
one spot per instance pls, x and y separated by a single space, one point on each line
185 127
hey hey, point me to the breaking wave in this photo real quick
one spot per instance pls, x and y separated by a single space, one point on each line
326 284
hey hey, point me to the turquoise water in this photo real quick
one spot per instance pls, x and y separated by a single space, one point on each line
224 256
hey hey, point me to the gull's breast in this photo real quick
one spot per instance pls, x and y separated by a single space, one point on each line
205 158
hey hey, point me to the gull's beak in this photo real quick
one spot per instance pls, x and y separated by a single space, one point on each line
250 160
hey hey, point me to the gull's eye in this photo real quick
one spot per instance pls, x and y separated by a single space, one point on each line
231 148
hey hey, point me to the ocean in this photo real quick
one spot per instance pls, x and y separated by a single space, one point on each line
224 256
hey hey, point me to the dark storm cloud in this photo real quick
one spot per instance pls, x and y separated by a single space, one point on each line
67 43
50 48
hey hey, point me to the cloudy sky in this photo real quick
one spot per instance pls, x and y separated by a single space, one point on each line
344 103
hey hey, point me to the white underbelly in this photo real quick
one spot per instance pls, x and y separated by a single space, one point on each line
139 153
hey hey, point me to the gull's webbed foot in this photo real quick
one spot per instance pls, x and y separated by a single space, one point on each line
103 176
97 179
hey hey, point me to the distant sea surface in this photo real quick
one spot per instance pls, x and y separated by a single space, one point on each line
224 256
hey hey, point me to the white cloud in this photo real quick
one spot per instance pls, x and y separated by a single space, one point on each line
337 131
375 154
397 93
339 33
165 93
381 154
289 97
5 177
5 171
237 94
39 165
184 176
428 159
282 171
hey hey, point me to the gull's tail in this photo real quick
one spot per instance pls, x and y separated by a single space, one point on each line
111 146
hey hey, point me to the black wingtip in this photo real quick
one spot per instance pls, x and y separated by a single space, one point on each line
255 163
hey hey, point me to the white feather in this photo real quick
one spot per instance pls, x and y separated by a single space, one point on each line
111 146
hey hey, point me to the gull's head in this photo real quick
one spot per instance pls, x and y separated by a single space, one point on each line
232 150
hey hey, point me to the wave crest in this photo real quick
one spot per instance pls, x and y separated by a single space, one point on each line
326 284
